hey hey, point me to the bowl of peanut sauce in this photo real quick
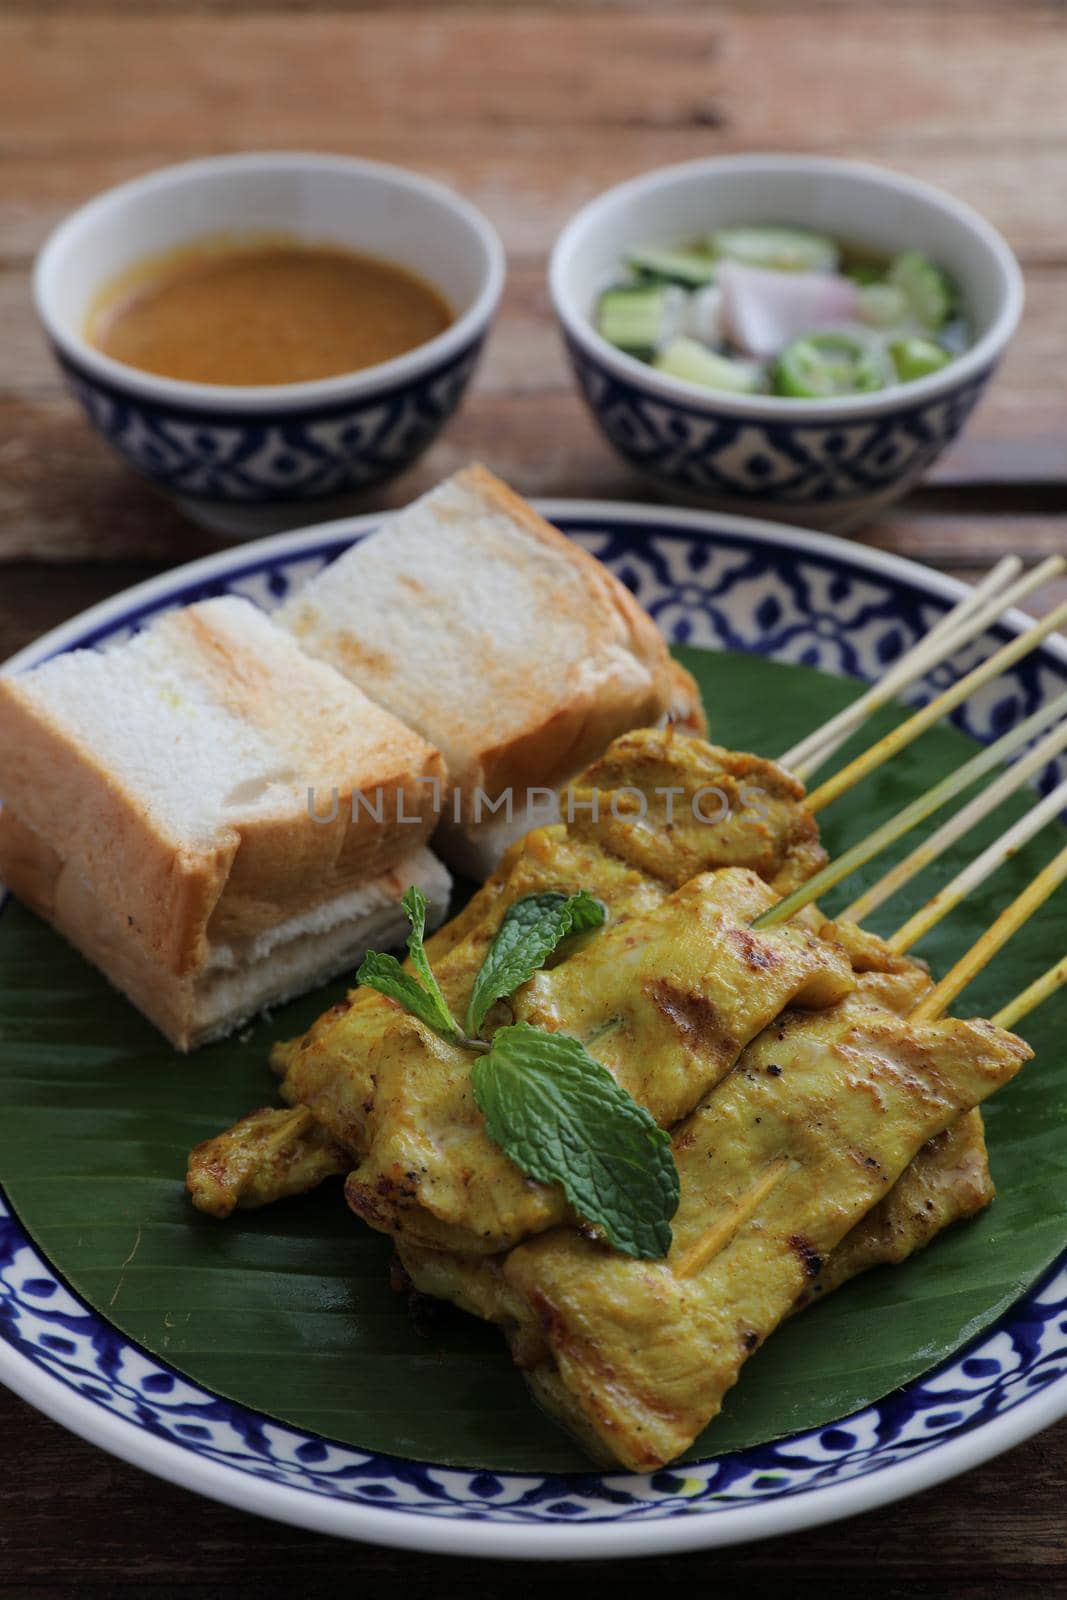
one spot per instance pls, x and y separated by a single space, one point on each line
269 336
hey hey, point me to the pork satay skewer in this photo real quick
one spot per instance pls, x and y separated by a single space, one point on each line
636 1357
315 1090
965 622
950 1178
423 1202
594 991
947 1181
565 1010
961 823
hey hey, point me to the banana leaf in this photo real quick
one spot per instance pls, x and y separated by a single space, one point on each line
289 1310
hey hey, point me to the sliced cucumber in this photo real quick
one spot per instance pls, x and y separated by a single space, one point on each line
884 305
691 268
821 366
784 249
917 358
930 293
635 317
685 358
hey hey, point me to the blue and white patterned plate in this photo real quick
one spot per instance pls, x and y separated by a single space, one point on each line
713 581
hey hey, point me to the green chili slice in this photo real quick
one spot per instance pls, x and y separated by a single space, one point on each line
820 366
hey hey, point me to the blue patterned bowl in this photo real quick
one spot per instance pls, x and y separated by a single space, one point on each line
245 461
825 463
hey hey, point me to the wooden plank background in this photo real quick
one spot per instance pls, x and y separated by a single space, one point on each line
529 109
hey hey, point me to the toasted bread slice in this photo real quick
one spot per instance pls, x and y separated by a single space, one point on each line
206 782
501 641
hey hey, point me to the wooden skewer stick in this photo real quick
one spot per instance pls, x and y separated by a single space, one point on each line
982 606
1033 995
719 1236
913 813
968 817
920 658
910 730
993 939
995 582
978 870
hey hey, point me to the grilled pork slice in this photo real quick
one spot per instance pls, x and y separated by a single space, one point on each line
330 1068
948 1181
777 1165
673 807
267 1156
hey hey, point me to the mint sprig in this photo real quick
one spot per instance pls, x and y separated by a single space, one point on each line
553 1108
531 930
561 1117
422 998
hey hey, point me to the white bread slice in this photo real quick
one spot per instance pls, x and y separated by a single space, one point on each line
172 772
501 641
238 979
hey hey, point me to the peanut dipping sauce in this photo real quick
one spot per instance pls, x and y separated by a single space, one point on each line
263 311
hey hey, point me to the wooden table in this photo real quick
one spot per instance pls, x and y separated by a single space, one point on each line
529 109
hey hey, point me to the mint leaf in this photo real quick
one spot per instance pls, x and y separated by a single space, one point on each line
531 930
563 1119
586 911
384 973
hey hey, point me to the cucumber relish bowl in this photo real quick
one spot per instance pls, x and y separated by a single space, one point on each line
254 459
827 463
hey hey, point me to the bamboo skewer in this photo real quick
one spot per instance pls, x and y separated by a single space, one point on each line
995 582
910 730
962 821
1033 995
920 658
962 625
910 816
977 871
1011 919
718 1237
